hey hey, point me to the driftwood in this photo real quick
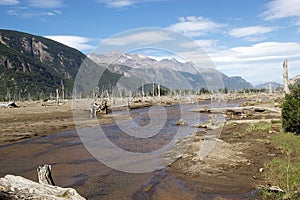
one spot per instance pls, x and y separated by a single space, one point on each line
9 105
233 110
17 187
271 188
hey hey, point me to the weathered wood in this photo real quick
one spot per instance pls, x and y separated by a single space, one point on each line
44 175
271 188
234 110
9 105
17 187
285 77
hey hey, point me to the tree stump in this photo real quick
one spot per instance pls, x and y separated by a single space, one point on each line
44 175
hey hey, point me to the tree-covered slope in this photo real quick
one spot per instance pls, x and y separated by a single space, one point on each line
35 66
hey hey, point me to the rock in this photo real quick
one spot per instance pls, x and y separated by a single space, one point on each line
181 122
17 187
261 170
201 126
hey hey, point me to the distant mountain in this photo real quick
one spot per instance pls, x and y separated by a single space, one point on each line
169 72
274 85
35 66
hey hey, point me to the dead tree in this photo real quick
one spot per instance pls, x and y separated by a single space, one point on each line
285 77
62 90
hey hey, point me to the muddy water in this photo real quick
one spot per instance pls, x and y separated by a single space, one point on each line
73 166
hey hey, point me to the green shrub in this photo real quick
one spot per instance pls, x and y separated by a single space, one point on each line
291 111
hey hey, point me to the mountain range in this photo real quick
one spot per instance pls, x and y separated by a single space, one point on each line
266 85
169 72
34 66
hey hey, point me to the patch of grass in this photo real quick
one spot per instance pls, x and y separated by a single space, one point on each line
263 126
284 171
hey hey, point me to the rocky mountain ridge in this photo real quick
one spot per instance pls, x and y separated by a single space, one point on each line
33 66
185 74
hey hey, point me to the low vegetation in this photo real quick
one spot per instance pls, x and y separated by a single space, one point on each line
284 171
260 126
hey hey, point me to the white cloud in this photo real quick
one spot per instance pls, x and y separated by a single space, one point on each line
142 38
278 9
206 45
193 26
9 2
123 3
52 13
199 43
251 33
260 62
12 12
77 42
46 4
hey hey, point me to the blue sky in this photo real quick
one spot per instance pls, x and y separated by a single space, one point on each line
250 38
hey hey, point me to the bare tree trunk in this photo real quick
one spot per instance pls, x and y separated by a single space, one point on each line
57 96
62 90
44 175
285 77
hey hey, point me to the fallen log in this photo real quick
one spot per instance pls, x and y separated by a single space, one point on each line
9 105
234 110
271 188
17 187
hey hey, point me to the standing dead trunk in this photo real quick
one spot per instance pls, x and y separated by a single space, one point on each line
44 175
57 96
285 77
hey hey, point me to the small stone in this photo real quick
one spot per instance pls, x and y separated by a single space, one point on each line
261 170
181 122
254 177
